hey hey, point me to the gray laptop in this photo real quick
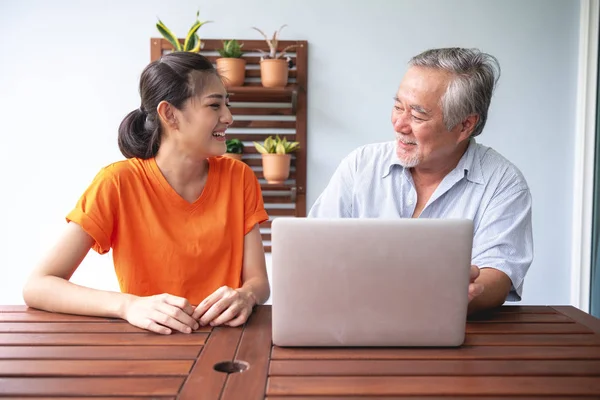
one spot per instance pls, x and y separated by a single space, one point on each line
370 282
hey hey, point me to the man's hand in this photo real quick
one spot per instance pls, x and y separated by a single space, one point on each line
226 306
161 313
475 289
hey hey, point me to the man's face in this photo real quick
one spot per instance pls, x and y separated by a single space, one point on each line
421 137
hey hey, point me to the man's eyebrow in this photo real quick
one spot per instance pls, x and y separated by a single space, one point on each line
420 109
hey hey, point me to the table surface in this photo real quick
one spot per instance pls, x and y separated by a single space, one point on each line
512 352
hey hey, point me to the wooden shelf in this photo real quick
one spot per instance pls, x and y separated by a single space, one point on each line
261 93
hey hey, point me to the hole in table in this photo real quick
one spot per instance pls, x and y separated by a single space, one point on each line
231 367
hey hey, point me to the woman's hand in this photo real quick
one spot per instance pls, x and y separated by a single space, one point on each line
161 313
226 306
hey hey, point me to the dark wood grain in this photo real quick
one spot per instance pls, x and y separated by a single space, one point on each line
80 327
254 349
261 110
416 385
100 339
527 328
135 386
99 398
580 316
511 317
453 397
27 368
463 353
433 368
520 309
532 340
52 317
101 352
259 124
203 381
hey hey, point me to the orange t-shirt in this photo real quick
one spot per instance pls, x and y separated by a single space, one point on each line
162 243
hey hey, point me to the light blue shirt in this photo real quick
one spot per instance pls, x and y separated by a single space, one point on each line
484 187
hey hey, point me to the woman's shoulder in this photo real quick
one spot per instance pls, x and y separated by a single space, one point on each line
131 168
231 167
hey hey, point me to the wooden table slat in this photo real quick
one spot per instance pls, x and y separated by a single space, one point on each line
523 309
533 340
100 339
254 349
97 398
203 381
463 353
527 328
416 385
146 386
28 368
427 398
38 316
433 368
502 317
100 352
580 316
76 327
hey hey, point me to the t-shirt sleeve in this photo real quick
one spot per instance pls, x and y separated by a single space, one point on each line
254 208
96 210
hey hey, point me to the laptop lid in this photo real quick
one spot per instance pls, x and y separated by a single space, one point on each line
370 282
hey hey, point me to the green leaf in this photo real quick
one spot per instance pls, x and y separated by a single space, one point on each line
280 148
260 148
167 34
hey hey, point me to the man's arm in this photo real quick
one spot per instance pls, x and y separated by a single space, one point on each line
492 286
336 200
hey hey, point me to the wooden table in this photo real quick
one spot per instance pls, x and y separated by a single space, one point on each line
514 352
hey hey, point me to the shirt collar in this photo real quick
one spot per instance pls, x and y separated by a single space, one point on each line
468 166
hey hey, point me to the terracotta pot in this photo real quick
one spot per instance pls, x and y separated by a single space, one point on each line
233 155
274 72
232 70
276 167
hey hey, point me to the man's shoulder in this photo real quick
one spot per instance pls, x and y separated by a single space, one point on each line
372 154
496 166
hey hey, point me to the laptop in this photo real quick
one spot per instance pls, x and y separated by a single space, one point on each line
370 282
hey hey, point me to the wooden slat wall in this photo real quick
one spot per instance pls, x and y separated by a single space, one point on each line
260 112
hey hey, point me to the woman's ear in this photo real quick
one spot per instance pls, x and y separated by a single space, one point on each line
166 112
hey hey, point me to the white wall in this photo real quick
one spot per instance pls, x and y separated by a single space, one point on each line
69 72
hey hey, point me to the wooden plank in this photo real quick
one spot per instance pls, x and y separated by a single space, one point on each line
266 237
82 327
100 339
108 398
260 174
277 199
259 137
261 110
524 309
433 368
274 187
14 308
266 224
416 385
249 44
101 352
28 368
134 386
528 328
42 316
203 381
267 249
461 353
423 398
255 73
254 349
533 340
259 124
518 317
577 315
280 212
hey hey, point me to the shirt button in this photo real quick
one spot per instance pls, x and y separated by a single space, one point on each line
410 202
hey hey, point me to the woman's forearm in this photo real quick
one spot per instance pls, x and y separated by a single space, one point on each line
56 294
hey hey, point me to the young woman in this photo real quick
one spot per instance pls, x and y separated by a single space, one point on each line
182 221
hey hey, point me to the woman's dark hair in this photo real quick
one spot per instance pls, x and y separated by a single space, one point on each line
174 78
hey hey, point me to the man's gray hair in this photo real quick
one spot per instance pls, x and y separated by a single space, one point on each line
470 90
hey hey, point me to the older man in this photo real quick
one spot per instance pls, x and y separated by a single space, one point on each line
435 169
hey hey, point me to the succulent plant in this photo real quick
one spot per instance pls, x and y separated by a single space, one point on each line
276 146
234 146
192 41
231 49
272 54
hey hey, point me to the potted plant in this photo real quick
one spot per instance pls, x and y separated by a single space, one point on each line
231 65
276 158
235 148
274 67
192 42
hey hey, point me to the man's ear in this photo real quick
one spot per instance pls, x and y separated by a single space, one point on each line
467 127
167 115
